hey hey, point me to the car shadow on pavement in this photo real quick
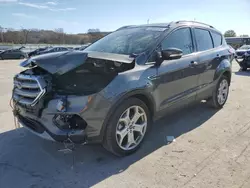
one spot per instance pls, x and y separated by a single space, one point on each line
243 73
28 161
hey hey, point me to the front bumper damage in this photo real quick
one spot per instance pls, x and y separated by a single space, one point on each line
51 133
80 77
46 127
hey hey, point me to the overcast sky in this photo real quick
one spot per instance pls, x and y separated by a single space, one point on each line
77 16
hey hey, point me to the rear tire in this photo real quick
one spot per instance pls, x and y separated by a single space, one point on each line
243 65
220 93
244 68
123 124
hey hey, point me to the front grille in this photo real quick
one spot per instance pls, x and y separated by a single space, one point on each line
28 89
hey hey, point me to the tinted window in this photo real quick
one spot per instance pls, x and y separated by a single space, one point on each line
203 39
217 39
179 39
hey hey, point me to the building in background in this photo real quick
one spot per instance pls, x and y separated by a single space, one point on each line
237 42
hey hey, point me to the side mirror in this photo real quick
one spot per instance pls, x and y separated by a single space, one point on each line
171 53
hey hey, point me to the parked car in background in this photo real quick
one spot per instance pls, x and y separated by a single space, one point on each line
54 49
76 48
110 92
243 50
37 51
243 57
82 47
13 54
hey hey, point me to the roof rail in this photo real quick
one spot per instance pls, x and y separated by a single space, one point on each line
124 27
195 22
170 23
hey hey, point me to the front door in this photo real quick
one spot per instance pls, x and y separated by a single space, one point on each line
178 78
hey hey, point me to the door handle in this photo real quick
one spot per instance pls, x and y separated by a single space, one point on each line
193 63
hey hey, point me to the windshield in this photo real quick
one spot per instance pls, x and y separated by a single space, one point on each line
245 47
128 41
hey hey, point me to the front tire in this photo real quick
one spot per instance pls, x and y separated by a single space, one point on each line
244 68
220 94
127 127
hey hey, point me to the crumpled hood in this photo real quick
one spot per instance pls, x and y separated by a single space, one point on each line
62 62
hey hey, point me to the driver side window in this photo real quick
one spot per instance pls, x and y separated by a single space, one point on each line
181 39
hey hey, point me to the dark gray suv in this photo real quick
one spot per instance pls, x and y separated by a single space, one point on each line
110 92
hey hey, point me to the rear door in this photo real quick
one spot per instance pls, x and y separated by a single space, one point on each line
178 78
209 48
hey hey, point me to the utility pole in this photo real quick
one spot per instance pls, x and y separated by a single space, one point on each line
148 21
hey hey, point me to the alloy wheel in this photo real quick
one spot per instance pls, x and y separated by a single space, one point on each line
222 92
131 127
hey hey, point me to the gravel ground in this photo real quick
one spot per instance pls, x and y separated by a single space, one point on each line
212 149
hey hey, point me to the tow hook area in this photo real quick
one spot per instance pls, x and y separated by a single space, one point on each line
69 146
73 137
73 125
77 136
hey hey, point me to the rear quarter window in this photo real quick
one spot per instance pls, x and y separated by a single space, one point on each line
217 38
203 39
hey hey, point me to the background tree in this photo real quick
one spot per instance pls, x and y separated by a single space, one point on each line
94 30
25 35
244 35
58 36
230 33
1 33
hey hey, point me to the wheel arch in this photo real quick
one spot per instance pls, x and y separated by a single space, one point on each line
139 94
224 68
228 75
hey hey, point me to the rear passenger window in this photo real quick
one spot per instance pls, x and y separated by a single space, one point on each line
203 39
217 38
179 39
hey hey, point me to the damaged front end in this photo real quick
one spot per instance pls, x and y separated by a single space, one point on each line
52 96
